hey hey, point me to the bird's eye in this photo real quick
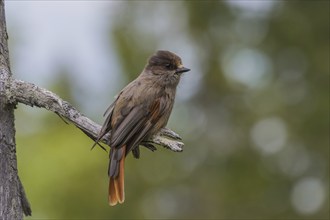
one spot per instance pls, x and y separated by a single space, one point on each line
168 66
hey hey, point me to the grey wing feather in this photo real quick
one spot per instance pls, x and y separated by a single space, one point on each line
106 127
135 126
128 127
109 109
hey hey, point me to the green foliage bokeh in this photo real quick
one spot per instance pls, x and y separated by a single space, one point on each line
220 174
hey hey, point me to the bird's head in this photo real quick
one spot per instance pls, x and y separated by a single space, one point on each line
166 66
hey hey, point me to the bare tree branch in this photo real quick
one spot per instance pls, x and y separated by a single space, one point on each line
32 95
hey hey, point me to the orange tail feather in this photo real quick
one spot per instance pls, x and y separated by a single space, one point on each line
116 185
113 200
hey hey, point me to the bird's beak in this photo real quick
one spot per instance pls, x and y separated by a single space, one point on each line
181 69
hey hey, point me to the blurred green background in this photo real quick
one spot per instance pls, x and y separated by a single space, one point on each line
253 112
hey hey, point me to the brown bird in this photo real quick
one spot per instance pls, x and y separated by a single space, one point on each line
140 110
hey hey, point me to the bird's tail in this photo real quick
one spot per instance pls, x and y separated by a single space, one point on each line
116 174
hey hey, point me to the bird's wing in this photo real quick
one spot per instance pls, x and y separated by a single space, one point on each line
106 127
135 123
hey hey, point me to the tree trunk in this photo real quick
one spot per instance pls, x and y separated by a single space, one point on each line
13 202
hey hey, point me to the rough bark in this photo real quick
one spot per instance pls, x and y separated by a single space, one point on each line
13 201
